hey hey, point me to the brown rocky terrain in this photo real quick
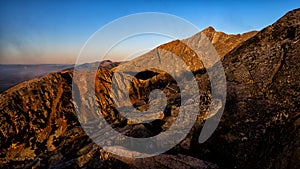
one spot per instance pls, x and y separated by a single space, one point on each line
259 127
226 42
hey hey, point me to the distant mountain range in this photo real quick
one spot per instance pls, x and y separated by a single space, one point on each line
259 127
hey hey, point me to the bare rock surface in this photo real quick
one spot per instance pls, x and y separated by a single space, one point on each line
223 42
260 125
259 128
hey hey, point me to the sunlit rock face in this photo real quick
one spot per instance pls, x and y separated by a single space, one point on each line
259 127
223 42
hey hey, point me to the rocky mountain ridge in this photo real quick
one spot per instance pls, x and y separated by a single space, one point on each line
259 128
223 42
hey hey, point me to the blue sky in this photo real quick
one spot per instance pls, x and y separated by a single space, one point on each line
54 31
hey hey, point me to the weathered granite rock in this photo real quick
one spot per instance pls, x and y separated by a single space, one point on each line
259 128
260 125
39 128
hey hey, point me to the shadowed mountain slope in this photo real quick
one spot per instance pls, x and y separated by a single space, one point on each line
260 125
259 128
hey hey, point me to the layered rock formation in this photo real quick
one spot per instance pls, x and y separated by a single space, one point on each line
259 128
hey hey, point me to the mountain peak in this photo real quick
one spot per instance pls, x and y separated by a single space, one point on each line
209 29
225 42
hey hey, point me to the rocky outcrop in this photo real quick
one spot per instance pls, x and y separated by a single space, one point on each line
39 128
260 125
259 128
223 42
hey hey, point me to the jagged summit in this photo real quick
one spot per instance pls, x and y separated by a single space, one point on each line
226 42
209 29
